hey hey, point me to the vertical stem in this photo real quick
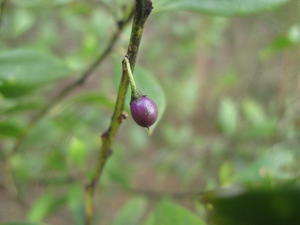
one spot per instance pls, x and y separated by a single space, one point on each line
143 9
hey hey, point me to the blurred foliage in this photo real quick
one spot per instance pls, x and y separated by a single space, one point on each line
169 213
131 213
227 88
23 71
223 7
259 205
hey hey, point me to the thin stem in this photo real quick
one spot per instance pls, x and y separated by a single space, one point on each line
142 10
134 91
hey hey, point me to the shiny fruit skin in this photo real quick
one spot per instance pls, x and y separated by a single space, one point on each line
144 111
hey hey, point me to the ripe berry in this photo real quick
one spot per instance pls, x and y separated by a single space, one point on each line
144 111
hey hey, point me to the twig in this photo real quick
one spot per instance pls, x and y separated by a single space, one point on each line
142 10
72 86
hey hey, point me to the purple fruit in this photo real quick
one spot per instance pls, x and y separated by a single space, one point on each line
144 111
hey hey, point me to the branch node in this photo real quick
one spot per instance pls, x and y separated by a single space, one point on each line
143 9
148 7
123 116
105 135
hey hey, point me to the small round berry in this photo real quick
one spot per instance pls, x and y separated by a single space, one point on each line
144 111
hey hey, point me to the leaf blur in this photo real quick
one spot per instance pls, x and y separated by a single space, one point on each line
225 77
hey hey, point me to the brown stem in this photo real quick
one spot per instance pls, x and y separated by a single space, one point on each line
142 10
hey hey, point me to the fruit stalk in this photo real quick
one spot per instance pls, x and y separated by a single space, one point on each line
134 91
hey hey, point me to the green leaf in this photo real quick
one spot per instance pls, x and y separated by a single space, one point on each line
281 43
256 206
77 151
131 213
226 173
219 7
21 107
21 167
23 21
150 220
169 213
116 171
94 98
24 70
254 112
44 206
10 129
276 163
228 116
76 203
13 89
262 125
